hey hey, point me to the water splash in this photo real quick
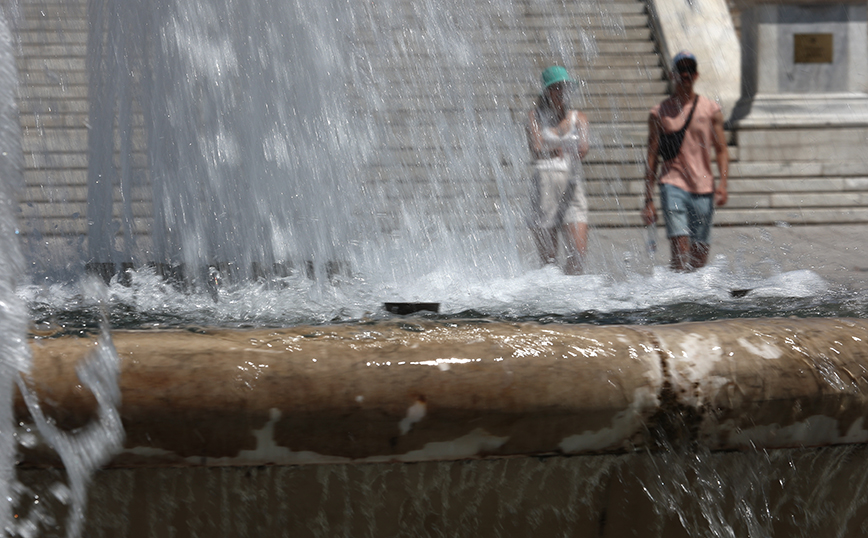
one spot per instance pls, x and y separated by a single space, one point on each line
759 494
14 353
537 294
86 449
82 452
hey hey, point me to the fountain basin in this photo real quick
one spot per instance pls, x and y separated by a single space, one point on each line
418 390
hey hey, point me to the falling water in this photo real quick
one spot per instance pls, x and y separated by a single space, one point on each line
793 493
23 510
376 136
14 354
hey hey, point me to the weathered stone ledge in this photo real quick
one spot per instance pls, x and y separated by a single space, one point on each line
426 390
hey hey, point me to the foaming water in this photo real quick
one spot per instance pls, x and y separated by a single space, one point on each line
544 294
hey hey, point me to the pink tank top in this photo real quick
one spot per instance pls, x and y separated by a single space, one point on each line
691 169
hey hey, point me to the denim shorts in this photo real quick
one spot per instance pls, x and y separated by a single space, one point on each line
686 213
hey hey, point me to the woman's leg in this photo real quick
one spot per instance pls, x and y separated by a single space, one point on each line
546 240
577 243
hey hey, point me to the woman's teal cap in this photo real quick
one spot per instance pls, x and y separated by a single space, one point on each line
553 75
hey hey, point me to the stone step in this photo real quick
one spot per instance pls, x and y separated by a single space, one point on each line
622 179
59 178
420 164
510 38
517 51
69 18
54 179
626 82
52 104
59 50
640 91
624 215
30 37
75 210
77 194
756 202
534 23
797 187
69 140
532 7
423 154
58 81
638 115
27 63
748 217
760 169
526 94
514 18
45 161
830 215
72 22
32 122
71 91
67 227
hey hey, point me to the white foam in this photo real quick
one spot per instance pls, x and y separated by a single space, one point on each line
489 290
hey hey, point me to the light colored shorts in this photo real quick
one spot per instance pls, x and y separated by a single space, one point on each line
686 213
558 195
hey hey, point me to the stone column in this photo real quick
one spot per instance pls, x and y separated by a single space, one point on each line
706 29
804 81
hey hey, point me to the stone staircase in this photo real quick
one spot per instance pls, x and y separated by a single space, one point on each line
53 106
607 45
612 51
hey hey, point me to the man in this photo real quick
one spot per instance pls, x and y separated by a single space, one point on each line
687 191
558 138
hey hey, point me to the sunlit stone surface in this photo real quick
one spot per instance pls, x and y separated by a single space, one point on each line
423 390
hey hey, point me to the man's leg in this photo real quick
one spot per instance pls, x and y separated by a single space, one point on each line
698 255
577 242
546 240
700 214
681 254
675 203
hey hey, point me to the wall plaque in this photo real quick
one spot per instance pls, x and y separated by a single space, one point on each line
813 48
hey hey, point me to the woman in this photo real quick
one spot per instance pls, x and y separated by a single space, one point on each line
558 139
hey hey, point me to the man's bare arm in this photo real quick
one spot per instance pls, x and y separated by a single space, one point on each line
721 194
649 213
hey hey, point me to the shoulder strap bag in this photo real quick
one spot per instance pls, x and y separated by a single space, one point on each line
670 143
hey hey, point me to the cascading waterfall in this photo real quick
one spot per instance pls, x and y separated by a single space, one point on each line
361 133
239 172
